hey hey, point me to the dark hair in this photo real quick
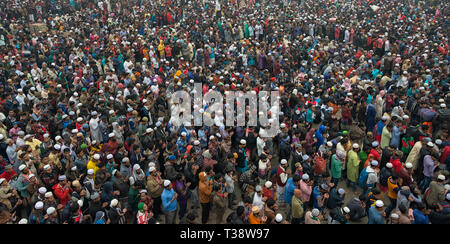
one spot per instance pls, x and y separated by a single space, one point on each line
376 191
420 206
248 199
402 208
208 168
270 202
179 176
240 210
296 178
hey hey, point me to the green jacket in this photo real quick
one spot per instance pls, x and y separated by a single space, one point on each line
353 166
336 167
133 198
297 208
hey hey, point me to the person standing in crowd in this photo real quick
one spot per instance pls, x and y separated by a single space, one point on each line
169 203
88 110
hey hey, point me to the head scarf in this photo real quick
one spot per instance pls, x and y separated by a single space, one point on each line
141 207
138 176
98 217
107 192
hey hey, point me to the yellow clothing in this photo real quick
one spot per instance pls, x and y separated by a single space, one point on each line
55 159
391 186
92 165
35 142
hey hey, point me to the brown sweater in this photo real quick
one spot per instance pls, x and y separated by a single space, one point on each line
204 188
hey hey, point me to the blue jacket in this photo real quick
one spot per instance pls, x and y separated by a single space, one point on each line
375 217
420 218
289 190
166 196
320 139
395 140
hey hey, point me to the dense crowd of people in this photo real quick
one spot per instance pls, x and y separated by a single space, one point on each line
86 135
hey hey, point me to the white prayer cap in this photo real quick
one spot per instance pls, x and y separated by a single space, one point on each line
2 180
74 131
42 190
57 138
79 119
283 125
183 133
279 218
23 221
96 156
430 144
74 168
111 135
166 183
39 205
110 156
90 171
151 169
114 203
389 165
394 216
356 146
125 159
48 194
374 163
62 177
305 176
408 165
268 184
346 210
315 212
57 147
50 210
441 177
243 142
47 167
283 161
22 167
379 203
375 144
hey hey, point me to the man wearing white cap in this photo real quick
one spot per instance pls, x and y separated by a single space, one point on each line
377 213
51 216
353 166
93 163
369 176
436 193
281 180
242 157
94 126
37 214
169 202
62 190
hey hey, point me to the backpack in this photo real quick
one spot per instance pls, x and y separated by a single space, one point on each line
320 165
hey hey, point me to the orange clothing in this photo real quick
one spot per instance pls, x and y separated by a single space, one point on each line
254 220
391 186
204 188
